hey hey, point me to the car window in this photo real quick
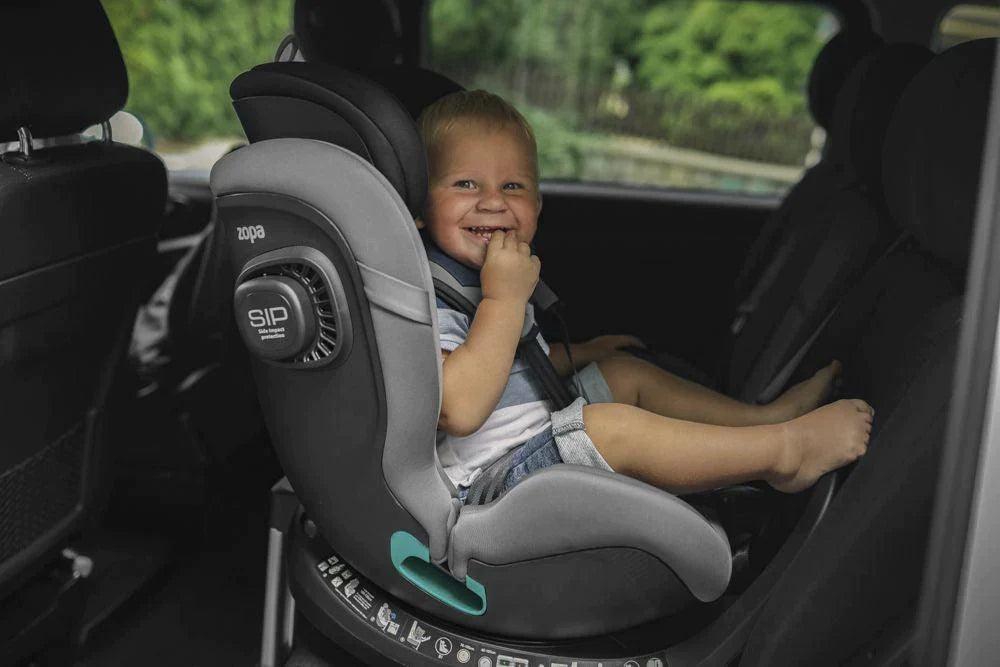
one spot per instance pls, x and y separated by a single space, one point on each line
181 57
703 94
964 23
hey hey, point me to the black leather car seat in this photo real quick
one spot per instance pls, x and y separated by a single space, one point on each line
825 254
858 576
834 63
781 237
77 232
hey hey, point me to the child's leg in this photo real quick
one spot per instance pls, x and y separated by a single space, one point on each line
635 382
686 457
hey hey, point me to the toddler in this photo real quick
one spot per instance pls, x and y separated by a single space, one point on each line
633 417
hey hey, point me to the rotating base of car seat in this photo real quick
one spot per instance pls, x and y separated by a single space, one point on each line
308 580
360 616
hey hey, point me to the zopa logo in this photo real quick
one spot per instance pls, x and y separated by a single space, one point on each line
250 233
267 317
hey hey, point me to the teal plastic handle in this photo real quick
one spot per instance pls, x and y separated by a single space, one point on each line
412 559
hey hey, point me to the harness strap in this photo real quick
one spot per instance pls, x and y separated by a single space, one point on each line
465 298
486 487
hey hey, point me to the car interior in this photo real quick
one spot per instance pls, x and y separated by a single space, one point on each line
267 491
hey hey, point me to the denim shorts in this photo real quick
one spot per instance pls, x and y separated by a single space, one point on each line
565 441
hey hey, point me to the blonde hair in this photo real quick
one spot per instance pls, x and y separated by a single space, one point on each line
478 106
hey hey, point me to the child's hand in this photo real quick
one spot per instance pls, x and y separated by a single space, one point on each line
605 346
510 271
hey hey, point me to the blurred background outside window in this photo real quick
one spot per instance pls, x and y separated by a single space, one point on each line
963 23
700 94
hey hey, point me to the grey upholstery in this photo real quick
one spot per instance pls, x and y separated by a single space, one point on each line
566 508
382 236
564 513
358 440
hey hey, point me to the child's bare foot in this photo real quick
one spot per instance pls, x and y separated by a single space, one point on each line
823 440
806 395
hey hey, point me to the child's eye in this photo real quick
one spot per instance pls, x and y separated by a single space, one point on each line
465 184
513 186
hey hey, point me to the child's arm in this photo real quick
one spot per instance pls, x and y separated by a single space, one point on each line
475 373
595 349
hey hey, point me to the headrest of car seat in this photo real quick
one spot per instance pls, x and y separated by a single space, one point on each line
932 156
75 79
288 50
865 104
313 101
351 34
416 87
832 66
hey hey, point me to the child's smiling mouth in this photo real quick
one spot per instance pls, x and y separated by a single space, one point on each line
485 232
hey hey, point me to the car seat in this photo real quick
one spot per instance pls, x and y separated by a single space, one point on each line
834 63
790 234
78 229
853 590
350 390
828 253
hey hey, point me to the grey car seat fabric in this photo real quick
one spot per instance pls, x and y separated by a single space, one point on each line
77 231
846 235
859 574
363 434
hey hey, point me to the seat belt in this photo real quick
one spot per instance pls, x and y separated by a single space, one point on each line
778 382
465 299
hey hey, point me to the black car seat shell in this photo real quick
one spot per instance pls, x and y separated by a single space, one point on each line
358 434
849 233
898 333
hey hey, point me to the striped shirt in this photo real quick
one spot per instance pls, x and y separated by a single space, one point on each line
522 412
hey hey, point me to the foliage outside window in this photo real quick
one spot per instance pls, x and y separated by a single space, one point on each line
181 57
964 23
688 93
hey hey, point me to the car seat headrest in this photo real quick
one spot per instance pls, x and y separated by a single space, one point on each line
932 155
313 101
833 64
416 87
288 50
865 104
77 79
351 34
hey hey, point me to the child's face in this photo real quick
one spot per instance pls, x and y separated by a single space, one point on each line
481 180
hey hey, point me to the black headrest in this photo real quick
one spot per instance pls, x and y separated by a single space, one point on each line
313 101
832 66
73 78
933 151
865 104
416 87
351 34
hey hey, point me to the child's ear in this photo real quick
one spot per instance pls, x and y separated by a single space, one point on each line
419 222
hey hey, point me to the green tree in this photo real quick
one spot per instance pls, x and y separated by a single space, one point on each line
753 55
182 55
